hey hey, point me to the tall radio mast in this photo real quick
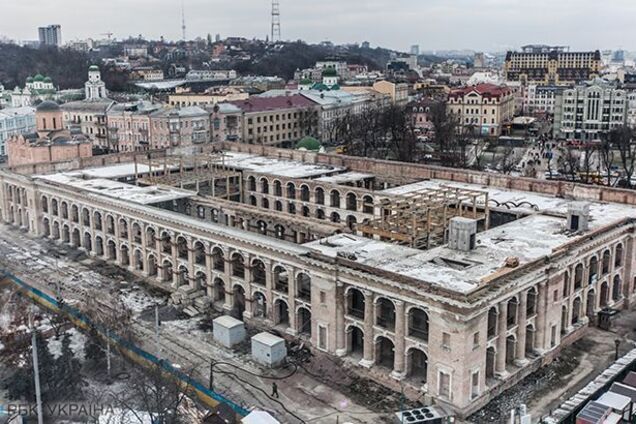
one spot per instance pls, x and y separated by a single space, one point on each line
183 25
275 21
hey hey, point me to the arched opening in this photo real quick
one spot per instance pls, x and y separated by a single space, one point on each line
531 302
578 277
167 271
262 227
199 253
136 233
200 212
279 231
88 242
74 213
123 228
352 202
264 186
76 238
335 217
278 205
44 203
138 260
182 276
265 203
54 209
97 219
530 335
238 265
351 222
492 322
593 272
252 201
618 256
56 231
278 189
218 261
304 321
200 280
260 305
258 273
491 356
64 210
417 365
418 324
291 208
384 352
281 315
606 262
112 250
511 349
319 195
304 193
99 246
604 300
320 214
251 183
86 217
46 227
66 235
513 306
355 303
291 191
305 211
110 225
616 288
218 291
166 244
334 199
356 342
303 287
281 279
151 238
590 309
576 310
125 259
385 314
238 307
152 266
182 248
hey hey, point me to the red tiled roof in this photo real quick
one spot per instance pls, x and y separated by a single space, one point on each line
262 104
485 90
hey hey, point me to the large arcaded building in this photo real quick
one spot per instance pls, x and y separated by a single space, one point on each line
456 283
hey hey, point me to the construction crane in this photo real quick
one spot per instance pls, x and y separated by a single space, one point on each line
107 34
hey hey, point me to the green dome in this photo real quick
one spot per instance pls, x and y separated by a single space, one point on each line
306 81
309 143
29 79
320 87
93 68
329 72
38 78
47 79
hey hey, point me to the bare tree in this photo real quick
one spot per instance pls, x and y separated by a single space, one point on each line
507 162
569 163
606 154
622 139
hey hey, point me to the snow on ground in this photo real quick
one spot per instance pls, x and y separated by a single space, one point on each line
77 344
138 300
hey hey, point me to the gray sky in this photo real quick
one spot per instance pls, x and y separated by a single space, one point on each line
433 24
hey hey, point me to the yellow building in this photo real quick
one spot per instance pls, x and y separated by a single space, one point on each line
485 107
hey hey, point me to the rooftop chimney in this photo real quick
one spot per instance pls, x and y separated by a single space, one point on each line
462 233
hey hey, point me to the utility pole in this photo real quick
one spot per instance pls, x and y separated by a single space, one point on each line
211 383
157 328
108 353
36 371
183 25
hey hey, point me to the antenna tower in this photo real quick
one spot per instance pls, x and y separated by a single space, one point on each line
275 21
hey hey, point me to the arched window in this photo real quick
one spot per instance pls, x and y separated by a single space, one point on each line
618 256
291 190
303 287
278 190
492 322
418 324
320 196
513 305
606 262
238 266
335 199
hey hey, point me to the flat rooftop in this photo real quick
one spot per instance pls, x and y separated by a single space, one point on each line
527 239
118 190
346 177
277 167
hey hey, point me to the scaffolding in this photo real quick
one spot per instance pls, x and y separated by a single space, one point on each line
420 219
193 172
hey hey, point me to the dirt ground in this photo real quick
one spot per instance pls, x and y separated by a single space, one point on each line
578 364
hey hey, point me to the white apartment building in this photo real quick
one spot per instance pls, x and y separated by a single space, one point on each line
15 121
540 99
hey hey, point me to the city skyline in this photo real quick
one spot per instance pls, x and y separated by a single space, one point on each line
497 25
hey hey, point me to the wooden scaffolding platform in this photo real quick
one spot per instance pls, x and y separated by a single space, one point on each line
420 219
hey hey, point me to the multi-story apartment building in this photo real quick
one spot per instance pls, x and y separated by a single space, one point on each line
179 127
631 109
484 107
587 111
15 121
225 122
278 121
129 126
211 74
227 94
50 35
399 92
90 118
551 65
540 99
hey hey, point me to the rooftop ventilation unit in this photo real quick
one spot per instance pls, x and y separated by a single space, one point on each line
424 415
578 216
462 233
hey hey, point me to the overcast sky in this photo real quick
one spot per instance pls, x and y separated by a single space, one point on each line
489 25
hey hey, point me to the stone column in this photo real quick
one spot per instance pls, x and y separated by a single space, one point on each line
229 294
521 328
398 354
175 262
341 345
131 247
541 322
249 301
191 279
209 278
144 251
368 357
269 286
502 326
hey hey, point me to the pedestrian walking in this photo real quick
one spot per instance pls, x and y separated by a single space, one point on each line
275 390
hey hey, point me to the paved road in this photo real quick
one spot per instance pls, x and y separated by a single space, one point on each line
303 399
